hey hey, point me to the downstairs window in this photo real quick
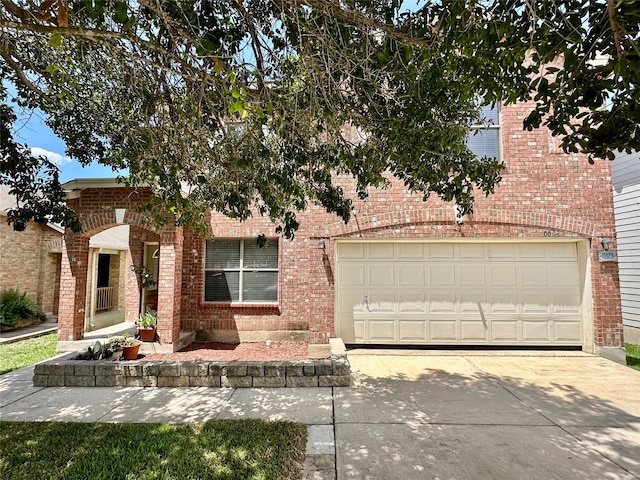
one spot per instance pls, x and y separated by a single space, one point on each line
238 271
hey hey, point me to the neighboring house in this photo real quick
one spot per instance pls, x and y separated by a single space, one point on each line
625 171
523 270
30 260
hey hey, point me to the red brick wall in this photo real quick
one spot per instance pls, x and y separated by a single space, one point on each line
544 192
28 262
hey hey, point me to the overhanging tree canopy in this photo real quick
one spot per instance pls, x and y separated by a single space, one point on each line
243 103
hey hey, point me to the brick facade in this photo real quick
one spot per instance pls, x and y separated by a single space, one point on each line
544 193
30 262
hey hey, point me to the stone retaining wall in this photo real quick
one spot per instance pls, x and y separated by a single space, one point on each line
63 371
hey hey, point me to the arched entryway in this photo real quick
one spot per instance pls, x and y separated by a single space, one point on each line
103 205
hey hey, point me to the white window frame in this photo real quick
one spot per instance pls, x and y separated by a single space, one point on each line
489 126
241 270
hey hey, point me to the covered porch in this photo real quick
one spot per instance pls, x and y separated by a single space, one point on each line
104 288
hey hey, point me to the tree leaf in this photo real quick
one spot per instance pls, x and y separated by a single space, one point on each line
55 40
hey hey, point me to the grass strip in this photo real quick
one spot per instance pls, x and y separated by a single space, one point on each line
217 449
26 352
633 355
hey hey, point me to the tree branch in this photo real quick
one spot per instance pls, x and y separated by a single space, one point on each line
333 9
615 28
17 68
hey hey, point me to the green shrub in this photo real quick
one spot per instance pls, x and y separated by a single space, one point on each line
15 306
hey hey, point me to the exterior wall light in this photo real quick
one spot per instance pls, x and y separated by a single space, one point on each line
606 243
321 243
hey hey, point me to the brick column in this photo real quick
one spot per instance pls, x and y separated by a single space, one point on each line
170 285
73 287
607 308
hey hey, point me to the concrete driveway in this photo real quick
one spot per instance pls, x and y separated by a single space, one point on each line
487 415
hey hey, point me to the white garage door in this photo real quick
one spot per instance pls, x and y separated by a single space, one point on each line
458 293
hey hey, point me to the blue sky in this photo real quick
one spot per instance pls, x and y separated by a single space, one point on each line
31 130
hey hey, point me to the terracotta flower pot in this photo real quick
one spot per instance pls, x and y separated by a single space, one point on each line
147 334
130 352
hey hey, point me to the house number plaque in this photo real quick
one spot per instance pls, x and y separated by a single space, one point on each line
607 256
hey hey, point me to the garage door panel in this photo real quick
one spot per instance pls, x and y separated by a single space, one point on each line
471 302
501 251
471 275
502 303
534 303
412 331
440 251
351 275
565 302
412 302
504 331
442 331
533 275
381 251
442 302
563 275
502 275
563 251
414 251
382 330
566 331
350 251
533 331
411 275
473 331
350 301
381 301
447 293
471 250
442 275
532 251
381 275
359 331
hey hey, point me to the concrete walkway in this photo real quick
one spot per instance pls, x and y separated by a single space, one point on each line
22 333
410 415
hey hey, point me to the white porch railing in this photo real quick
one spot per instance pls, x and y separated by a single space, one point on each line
105 298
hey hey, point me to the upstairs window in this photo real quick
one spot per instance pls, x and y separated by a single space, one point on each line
484 139
238 271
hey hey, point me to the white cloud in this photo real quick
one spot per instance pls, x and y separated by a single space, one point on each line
52 156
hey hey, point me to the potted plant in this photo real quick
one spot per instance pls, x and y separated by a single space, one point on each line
129 345
147 326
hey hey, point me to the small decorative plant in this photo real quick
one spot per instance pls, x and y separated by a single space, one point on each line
148 319
147 325
128 344
99 351
145 276
125 340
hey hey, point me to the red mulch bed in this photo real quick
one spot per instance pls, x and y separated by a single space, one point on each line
217 351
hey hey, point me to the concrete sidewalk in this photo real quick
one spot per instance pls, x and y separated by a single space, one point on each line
448 415
21 401
22 333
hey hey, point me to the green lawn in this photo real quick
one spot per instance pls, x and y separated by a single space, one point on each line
633 355
218 449
26 352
